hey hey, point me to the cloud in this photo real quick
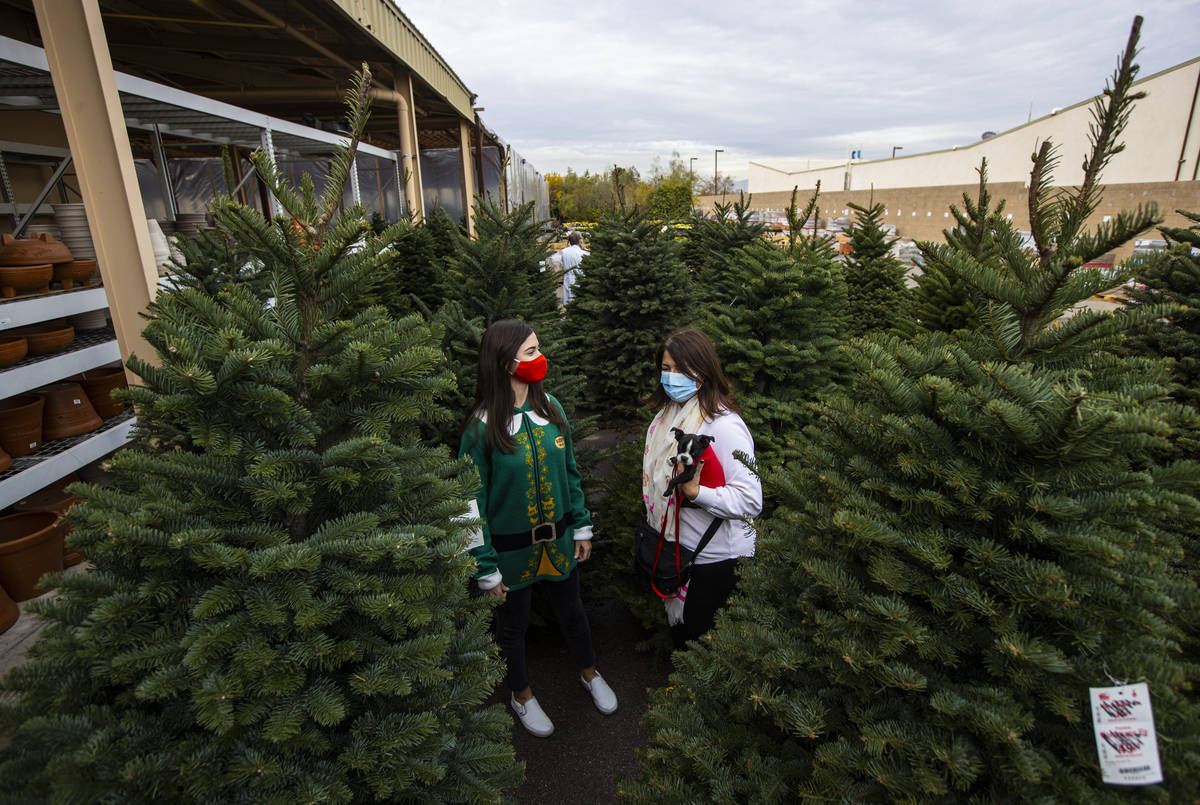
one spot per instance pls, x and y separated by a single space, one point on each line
624 82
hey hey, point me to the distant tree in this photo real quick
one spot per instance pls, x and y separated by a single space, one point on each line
723 186
874 279
628 299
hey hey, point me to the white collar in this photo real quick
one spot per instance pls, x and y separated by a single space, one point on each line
514 424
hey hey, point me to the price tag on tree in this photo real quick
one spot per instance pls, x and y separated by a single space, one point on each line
1125 736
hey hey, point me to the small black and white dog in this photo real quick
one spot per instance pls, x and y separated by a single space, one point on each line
691 447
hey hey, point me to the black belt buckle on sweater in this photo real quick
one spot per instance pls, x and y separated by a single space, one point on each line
553 528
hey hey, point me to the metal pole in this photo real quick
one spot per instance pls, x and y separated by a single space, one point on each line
8 191
269 146
164 177
715 174
896 148
37 202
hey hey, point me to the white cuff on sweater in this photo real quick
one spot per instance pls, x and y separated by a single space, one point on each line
583 534
489 581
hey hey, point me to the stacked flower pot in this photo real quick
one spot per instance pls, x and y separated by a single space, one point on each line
29 265
75 406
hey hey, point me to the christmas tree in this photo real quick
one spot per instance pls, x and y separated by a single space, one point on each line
633 292
1172 277
874 279
279 607
778 340
415 277
942 300
971 539
711 244
499 274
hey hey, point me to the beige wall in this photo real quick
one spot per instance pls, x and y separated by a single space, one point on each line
922 213
1153 140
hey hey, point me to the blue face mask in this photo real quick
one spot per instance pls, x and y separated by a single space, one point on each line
679 387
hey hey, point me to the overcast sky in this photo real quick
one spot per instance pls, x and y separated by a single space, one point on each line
585 85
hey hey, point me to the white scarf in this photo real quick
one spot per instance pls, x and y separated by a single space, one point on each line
656 461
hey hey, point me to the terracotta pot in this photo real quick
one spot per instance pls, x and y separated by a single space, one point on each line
9 611
21 424
68 411
40 248
5 460
25 278
12 349
59 501
31 545
47 337
74 272
99 384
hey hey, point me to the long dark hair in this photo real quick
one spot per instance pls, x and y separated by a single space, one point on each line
494 397
695 356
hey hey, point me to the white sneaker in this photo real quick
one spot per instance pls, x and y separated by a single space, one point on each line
602 695
532 717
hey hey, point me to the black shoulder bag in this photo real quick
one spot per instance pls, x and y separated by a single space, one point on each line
666 579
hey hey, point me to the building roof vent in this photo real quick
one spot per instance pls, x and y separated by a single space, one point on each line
987 135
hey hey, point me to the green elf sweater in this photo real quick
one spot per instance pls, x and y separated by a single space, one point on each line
530 502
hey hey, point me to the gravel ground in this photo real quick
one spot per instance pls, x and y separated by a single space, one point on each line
580 763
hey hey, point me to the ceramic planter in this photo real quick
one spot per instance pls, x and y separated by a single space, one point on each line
99 384
21 424
57 500
67 412
31 545
25 278
48 337
9 611
12 349
40 248
74 272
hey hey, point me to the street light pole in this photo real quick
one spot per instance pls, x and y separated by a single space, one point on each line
715 174
692 172
896 148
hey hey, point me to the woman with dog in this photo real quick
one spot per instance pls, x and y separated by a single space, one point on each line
535 526
694 400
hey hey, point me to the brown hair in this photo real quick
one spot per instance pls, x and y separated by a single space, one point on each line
695 356
494 395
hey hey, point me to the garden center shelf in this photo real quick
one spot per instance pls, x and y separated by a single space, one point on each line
90 349
21 311
60 457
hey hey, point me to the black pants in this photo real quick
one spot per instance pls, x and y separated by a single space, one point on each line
708 589
512 621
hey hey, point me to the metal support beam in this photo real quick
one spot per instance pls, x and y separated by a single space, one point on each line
55 179
268 145
164 176
468 175
355 190
81 68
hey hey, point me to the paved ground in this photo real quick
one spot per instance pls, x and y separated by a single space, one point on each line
580 763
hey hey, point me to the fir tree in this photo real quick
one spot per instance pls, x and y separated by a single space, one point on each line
415 276
278 611
1172 277
499 274
778 341
633 292
874 279
711 244
970 540
942 300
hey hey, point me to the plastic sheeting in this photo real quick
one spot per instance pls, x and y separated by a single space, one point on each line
441 181
198 180
525 184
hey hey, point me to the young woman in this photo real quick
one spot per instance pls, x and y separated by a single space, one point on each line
695 396
536 526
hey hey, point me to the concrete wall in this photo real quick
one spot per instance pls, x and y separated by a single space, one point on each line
922 213
1162 138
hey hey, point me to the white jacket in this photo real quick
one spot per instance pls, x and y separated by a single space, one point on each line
736 502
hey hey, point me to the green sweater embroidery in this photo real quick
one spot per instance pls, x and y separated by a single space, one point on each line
536 484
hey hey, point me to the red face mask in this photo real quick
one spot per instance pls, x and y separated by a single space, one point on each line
531 371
